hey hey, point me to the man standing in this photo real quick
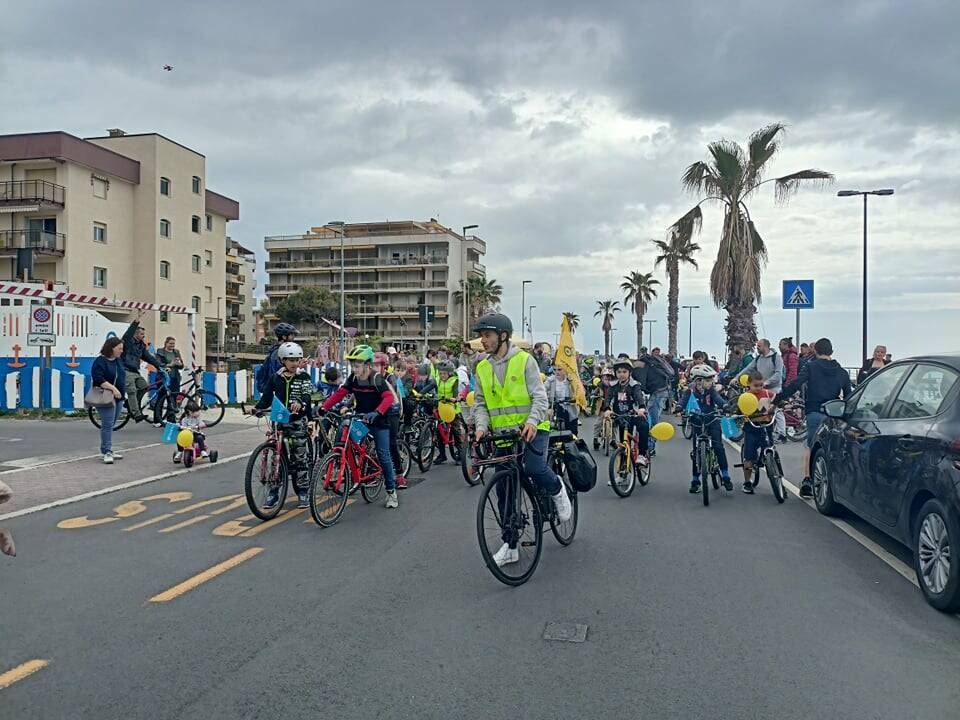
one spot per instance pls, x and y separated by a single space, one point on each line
173 363
770 366
135 350
286 333
791 360
657 375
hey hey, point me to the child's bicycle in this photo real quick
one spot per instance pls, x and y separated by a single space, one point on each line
606 435
625 469
704 457
769 458
189 455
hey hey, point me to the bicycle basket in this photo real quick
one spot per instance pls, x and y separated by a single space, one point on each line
581 467
358 431
728 426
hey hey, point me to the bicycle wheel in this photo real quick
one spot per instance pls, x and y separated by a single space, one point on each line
687 428
406 457
211 405
773 475
329 489
472 473
371 489
507 512
266 472
458 431
564 532
622 479
643 471
426 450
704 470
796 433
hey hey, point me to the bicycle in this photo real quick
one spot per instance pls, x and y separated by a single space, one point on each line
705 459
796 421
606 435
421 433
268 468
351 463
769 459
512 509
685 426
624 469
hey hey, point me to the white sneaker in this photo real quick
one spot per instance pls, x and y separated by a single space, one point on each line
116 455
392 501
564 508
108 458
204 453
505 555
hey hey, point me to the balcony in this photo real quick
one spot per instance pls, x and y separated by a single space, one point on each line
326 264
44 243
388 309
475 267
31 194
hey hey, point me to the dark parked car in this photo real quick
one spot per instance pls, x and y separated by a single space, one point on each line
891 454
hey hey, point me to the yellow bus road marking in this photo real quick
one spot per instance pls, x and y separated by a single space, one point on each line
21 671
234 527
272 523
151 521
310 519
186 523
127 509
208 574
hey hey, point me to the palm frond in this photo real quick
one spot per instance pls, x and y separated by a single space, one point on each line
729 163
688 225
788 185
699 178
762 145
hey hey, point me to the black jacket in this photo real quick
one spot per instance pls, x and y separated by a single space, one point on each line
134 350
653 376
824 379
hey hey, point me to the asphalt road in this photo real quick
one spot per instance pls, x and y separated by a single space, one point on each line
745 609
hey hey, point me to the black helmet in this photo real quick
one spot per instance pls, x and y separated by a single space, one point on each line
498 322
283 329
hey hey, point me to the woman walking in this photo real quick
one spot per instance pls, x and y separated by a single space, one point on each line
108 373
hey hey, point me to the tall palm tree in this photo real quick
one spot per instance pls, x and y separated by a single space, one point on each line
640 292
482 295
674 252
606 309
573 320
730 177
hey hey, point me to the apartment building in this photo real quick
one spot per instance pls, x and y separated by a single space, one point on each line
125 216
391 269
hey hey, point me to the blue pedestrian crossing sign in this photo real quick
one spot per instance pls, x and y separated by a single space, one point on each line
798 294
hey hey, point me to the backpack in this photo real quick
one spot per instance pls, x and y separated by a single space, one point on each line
267 370
581 467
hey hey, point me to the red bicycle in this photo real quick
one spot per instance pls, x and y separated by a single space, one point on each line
351 463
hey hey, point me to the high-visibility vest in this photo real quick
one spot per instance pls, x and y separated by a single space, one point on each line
509 404
446 390
435 374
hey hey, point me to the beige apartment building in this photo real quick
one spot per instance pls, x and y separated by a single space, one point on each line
123 216
391 269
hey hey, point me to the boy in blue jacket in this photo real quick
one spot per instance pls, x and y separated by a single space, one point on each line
703 392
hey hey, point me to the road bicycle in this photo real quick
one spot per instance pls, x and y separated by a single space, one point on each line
624 468
513 510
269 466
796 425
769 459
705 459
351 463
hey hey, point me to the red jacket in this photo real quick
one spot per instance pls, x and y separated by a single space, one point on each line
791 363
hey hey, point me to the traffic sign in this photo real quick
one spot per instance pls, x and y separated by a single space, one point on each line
427 314
41 319
798 294
35 339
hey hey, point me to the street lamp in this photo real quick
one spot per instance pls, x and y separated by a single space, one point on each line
363 317
851 193
530 322
342 230
649 333
523 304
465 293
691 308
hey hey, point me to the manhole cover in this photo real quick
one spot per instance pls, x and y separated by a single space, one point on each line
565 632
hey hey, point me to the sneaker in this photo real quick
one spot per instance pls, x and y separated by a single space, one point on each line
727 484
748 488
506 555
392 501
694 487
178 457
653 452
439 461
806 488
158 424
108 458
562 503
642 460
273 497
401 482
303 499
204 453
117 455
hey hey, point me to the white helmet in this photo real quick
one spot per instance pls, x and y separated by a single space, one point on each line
702 371
289 350
391 350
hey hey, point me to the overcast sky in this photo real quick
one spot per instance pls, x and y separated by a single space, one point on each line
560 127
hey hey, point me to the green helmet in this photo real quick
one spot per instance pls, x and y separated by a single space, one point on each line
363 353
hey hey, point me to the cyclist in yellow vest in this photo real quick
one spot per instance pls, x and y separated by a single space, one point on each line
448 388
509 395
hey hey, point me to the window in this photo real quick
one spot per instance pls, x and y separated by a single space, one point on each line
99 187
876 392
164 270
164 228
99 277
196 184
195 302
165 186
209 223
195 263
209 292
164 316
195 223
923 393
99 232
208 258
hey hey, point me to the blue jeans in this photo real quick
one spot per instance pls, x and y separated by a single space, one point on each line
655 405
381 439
108 416
536 468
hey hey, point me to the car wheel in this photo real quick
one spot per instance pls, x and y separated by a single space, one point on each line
935 541
822 491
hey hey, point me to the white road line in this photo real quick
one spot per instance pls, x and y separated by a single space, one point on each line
117 488
895 563
31 463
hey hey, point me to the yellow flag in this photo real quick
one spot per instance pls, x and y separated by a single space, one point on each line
567 359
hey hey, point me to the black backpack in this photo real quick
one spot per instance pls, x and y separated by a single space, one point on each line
581 467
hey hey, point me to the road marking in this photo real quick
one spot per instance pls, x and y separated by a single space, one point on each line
891 560
186 523
205 576
21 671
271 523
151 521
127 509
32 463
118 488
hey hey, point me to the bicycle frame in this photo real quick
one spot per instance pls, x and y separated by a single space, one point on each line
353 456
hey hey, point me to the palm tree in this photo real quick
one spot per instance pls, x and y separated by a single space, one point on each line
606 309
483 296
573 320
730 177
673 253
640 293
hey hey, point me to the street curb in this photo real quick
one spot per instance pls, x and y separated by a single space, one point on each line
117 488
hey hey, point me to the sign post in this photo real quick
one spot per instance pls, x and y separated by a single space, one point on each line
797 296
41 335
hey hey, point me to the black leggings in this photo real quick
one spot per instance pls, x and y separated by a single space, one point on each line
393 420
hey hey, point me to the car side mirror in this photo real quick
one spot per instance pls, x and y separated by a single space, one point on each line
835 408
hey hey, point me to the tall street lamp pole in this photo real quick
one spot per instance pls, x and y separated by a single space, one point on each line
465 287
342 228
530 322
649 332
851 193
691 308
523 304
219 333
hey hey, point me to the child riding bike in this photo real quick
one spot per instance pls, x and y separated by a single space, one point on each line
702 402
448 390
625 397
752 434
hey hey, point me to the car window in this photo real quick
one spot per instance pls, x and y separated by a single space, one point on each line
869 404
924 392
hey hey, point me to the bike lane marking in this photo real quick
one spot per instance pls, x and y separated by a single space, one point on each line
21 671
205 576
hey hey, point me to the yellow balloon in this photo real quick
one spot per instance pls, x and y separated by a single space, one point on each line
596 381
447 413
185 438
471 398
543 378
748 403
745 380
662 431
